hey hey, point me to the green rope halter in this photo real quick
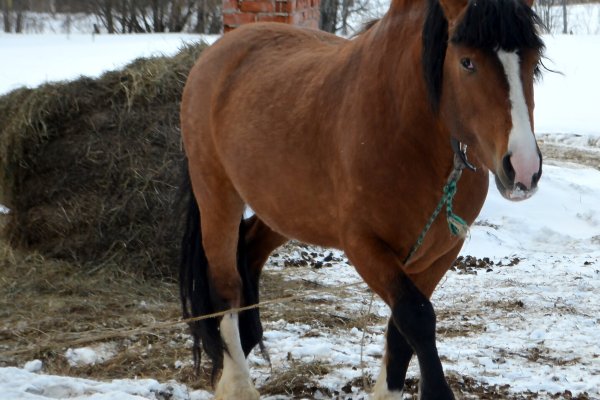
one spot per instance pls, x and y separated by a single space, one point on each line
457 225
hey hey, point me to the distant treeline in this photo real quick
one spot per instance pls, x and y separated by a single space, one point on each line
143 16
123 16
201 16
557 22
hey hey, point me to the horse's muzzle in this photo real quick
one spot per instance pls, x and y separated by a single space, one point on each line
517 185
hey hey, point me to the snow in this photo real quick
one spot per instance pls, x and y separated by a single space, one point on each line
30 60
556 235
90 355
563 217
33 366
544 307
567 101
18 383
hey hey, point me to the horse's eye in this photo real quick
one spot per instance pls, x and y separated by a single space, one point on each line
467 64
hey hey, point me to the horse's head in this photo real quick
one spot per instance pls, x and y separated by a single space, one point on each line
480 59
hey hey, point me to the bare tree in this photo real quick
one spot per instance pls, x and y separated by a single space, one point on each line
208 16
346 4
343 15
6 15
13 14
104 10
19 10
134 16
564 10
181 11
543 8
329 14
549 11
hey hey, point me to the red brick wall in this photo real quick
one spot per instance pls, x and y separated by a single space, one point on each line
298 12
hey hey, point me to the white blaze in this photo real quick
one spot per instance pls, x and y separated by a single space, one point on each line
521 140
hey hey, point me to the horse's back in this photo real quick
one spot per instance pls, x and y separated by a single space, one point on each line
252 101
246 61
269 40
263 44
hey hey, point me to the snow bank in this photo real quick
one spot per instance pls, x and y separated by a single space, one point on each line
30 60
17 384
563 218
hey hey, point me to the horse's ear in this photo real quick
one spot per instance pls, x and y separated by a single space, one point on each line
453 8
529 3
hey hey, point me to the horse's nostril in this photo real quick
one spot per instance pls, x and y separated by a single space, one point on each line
508 168
535 179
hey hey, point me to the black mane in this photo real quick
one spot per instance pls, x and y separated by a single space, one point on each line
488 25
499 24
435 42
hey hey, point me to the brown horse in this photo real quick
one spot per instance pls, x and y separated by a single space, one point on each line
347 144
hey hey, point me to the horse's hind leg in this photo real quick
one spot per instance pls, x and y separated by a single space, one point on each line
221 211
259 242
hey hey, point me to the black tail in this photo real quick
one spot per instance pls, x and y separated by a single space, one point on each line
198 299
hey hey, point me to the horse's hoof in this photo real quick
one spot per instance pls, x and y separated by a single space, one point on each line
239 392
386 395
443 393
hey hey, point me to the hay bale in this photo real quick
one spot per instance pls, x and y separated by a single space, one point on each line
90 168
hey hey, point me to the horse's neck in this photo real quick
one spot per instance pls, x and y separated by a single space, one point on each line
392 74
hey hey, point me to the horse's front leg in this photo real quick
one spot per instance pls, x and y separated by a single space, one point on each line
390 382
412 322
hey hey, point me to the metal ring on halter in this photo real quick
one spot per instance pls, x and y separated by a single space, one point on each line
461 150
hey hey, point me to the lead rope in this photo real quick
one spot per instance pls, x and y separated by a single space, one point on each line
456 225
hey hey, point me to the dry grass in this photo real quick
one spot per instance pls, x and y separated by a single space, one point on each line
90 168
583 156
42 298
300 380
322 313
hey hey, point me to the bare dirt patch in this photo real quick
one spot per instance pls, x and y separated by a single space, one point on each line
471 265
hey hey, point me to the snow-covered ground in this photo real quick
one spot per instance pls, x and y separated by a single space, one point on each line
30 60
532 325
16 384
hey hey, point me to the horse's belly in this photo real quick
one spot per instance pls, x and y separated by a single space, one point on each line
294 209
